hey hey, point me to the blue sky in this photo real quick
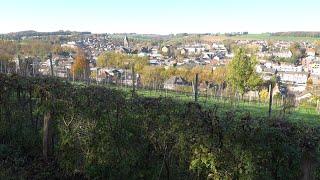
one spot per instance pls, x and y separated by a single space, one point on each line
160 16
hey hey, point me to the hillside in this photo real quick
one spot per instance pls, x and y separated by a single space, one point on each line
53 129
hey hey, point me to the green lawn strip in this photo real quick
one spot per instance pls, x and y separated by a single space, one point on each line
306 115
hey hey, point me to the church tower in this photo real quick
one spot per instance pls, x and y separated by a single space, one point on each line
126 42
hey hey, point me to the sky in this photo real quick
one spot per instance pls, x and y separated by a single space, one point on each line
160 16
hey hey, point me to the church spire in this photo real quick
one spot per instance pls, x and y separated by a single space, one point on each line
126 42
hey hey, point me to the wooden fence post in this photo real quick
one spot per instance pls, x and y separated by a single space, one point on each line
133 81
270 100
97 75
51 65
33 71
196 88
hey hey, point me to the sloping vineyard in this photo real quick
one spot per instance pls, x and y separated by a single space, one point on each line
50 128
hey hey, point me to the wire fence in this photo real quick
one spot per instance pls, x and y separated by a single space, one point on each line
207 97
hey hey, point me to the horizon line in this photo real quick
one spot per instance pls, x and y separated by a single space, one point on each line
154 33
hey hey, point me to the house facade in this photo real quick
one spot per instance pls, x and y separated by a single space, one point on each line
294 77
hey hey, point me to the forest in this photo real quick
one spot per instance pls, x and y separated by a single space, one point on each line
53 129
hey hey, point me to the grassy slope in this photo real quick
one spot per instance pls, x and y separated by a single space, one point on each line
304 115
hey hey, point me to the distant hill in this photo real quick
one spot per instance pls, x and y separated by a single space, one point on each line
297 34
31 33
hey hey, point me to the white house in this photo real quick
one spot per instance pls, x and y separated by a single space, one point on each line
219 47
293 77
284 54
288 68
71 45
154 50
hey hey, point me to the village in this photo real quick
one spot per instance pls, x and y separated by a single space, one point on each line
298 75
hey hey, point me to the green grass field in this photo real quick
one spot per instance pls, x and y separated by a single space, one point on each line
304 115
269 37
264 36
213 38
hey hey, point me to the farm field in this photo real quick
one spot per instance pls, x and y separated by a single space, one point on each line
264 36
